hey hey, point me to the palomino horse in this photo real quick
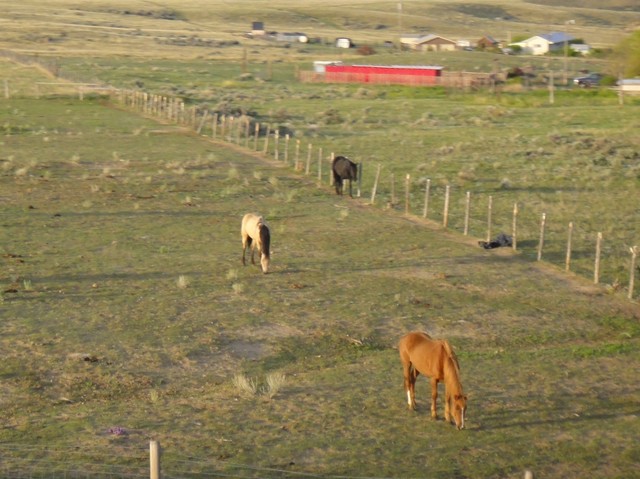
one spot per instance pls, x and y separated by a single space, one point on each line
420 354
255 233
344 169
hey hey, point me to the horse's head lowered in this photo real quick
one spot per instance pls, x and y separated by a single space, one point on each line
459 409
265 246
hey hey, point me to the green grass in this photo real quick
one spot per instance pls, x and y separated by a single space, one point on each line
123 301
106 337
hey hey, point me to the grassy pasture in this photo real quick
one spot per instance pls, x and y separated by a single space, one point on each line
104 212
124 304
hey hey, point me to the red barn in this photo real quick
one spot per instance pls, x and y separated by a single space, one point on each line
393 74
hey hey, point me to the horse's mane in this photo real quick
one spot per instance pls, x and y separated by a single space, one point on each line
451 365
265 238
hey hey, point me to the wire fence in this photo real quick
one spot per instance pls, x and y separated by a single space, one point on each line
530 233
590 254
42 462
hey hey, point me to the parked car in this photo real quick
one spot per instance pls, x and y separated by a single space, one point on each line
592 79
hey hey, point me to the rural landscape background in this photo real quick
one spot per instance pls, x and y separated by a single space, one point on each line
126 315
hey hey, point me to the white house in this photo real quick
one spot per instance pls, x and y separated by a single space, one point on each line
543 44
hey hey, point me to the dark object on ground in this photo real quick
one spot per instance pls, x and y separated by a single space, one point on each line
500 240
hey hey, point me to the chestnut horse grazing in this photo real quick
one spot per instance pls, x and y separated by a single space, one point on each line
255 233
420 354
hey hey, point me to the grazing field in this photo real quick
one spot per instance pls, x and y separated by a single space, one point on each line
127 316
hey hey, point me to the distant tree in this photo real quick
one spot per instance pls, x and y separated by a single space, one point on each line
627 56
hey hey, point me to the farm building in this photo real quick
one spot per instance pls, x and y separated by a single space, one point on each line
427 43
487 42
257 29
380 74
344 43
629 85
320 66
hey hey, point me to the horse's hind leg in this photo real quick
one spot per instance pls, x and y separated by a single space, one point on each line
434 397
409 384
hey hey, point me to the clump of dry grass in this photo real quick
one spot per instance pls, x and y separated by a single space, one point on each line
232 274
275 382
183 282
247 386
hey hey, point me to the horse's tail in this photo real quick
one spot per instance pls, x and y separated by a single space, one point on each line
265 239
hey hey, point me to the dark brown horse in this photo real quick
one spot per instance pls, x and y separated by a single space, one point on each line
344 169
420 354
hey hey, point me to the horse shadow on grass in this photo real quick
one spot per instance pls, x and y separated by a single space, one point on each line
501 421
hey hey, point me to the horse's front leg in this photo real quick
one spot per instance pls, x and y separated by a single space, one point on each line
434 397
253 250
447 407
244 249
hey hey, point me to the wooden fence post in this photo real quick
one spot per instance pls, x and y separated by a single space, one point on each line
489 214
427 189
204 118
154 460
445 212
223 126
286 149
307 170
393 189
407 184
514 227
333 157
567 261
320 165
276 153
214 126
375 185
541 241
596 268
255 136
231 120
632 273
467 208
360 170
296 161
266 140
